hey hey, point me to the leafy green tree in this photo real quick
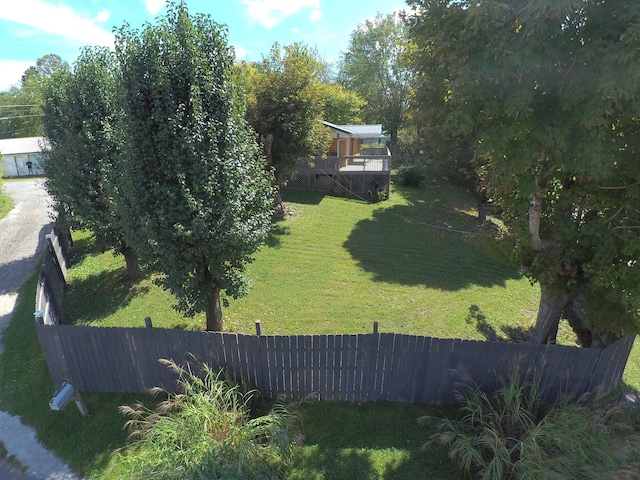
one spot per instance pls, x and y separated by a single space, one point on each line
550 92
375 67
82 127
22 105
285 105
342 106
199 189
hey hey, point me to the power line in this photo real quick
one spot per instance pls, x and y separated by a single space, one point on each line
16 106
23 116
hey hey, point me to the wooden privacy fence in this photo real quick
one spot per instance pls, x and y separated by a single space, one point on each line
364 367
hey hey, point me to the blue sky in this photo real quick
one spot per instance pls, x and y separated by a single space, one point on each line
30 29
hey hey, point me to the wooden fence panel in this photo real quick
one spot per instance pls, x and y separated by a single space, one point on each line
343 367
59 256
610 367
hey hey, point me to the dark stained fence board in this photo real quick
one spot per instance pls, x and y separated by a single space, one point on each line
337 361
278 363
149 375
432 373
61 249
582 371
315 365
363 345
266 370
413 362
323 367
384 373
248 348
347 366
445 381
275 374
288 388
608 372
53 353
398 374
554 373
424 356
161 340
306 355
370 364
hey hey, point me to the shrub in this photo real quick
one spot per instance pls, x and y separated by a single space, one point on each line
412 175
207 432
513 434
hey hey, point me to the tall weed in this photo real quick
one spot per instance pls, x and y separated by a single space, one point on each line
207 432
513 434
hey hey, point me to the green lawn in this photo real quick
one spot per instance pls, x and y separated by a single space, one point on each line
334 265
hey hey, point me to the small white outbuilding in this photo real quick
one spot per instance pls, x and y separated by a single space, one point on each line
21 156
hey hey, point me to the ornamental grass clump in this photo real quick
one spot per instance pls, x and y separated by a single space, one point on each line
513 434
207 432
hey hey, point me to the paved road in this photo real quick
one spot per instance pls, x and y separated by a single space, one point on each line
22 240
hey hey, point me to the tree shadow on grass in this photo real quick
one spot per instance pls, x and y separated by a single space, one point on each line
401 245
377 440
302 196
508 333
82 248
276 232
100 295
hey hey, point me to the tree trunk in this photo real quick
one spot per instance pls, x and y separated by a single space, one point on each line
278 206
549 312
278 212
483 200
214 312
133 266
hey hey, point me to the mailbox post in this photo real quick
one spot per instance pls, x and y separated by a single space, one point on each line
63 395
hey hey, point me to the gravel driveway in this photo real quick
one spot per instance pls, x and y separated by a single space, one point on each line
21 245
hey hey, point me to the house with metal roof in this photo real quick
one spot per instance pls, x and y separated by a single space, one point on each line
357 164
21 156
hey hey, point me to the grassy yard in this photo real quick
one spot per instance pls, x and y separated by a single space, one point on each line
334 265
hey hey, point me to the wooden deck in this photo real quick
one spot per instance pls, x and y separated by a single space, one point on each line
357 175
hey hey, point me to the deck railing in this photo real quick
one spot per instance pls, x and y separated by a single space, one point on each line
365 163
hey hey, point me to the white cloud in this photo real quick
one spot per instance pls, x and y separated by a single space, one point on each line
103 16
154 6
315 15
295 30
11 72
57 20
272 12
240 51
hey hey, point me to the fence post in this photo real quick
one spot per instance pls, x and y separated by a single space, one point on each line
375 327
258 327
147 322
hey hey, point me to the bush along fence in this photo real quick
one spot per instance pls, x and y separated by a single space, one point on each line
363 367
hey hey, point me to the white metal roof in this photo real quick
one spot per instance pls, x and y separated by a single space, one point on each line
365 131
358 131
21 146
